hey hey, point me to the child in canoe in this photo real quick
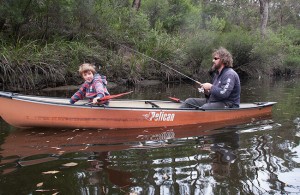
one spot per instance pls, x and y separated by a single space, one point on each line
94 86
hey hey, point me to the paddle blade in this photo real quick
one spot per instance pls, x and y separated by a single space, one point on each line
175 99
108 97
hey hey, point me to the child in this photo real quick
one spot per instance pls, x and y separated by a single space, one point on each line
94 86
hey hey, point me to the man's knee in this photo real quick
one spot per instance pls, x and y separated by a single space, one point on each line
189 100
216 105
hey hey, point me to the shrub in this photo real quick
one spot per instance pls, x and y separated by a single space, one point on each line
240 43
198 49
273 54
31 65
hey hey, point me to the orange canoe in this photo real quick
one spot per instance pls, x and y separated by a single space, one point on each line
26 111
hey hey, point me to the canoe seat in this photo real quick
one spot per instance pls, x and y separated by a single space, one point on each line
153 104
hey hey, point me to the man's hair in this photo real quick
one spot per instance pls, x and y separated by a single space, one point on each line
86 67
225 56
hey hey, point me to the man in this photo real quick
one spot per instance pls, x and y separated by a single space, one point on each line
224 92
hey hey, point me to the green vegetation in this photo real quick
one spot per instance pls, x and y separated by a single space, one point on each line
43 42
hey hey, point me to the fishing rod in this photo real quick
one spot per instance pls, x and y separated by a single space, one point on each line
158 62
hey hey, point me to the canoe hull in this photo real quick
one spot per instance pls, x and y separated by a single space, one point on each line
25 113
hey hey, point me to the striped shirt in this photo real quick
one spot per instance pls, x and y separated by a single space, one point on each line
96 88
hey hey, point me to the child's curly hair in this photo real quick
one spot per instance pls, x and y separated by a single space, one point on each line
86 67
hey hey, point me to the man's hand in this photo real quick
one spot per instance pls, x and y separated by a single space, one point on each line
206 86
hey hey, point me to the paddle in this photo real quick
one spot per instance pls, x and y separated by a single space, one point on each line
108 97
176 100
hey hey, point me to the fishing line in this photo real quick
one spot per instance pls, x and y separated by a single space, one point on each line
157 62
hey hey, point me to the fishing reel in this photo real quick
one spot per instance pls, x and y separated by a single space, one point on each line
201 90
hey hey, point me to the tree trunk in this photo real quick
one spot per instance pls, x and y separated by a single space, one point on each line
264 13
136 4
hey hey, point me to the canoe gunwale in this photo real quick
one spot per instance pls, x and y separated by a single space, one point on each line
7 94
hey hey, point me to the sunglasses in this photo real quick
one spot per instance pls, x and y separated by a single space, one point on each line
216 58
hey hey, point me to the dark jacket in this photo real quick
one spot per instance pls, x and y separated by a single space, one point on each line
226 88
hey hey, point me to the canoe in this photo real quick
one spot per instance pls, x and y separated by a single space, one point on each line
25 111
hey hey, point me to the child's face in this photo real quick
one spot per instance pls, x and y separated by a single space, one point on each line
88 76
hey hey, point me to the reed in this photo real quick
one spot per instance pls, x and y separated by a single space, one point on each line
32 65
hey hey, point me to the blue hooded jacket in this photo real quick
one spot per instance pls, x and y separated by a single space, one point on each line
226 88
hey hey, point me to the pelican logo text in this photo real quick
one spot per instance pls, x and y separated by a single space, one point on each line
159 116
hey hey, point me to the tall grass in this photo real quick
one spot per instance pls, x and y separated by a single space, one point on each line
32 65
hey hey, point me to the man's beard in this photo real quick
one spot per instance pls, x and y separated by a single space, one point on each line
217 66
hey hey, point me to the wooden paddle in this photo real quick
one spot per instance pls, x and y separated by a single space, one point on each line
108 97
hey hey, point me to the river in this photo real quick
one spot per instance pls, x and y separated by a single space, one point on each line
255 158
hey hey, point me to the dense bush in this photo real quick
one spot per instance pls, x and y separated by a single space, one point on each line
33 65
43 42
292 55
241 44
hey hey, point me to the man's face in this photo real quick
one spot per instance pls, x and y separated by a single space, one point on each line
88 76
217 64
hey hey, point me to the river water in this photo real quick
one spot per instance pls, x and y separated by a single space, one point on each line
256 158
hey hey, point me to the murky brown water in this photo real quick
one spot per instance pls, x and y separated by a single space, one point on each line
260 158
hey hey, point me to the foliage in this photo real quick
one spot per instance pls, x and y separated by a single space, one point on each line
199 49
269 54
284 13
291 35
172 14
30 64
241 44
42 42
156 11
217 24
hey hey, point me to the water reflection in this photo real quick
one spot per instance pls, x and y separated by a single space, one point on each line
256 158
23 143
224 147
194 160
164 157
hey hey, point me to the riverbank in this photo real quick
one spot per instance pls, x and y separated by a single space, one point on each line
32 65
